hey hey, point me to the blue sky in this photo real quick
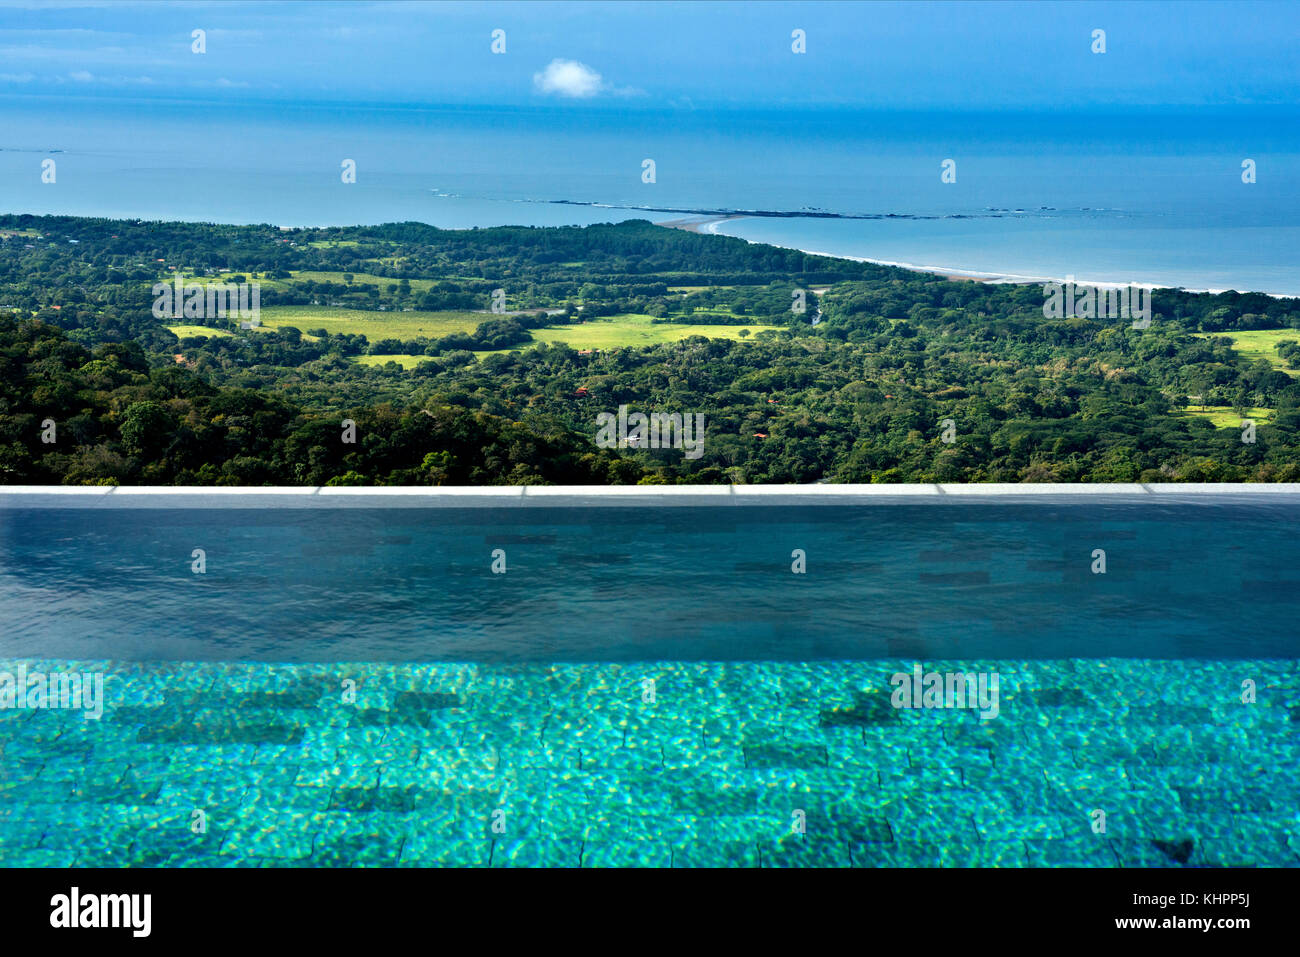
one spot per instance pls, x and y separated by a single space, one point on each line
677 56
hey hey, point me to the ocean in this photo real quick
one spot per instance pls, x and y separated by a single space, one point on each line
1154 198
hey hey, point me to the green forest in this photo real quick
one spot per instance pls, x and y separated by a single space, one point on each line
404 354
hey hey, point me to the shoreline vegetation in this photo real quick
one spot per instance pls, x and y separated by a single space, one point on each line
706 225
486 357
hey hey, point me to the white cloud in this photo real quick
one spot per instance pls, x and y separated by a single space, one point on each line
85 76
568 78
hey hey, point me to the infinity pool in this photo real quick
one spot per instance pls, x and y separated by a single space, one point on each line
655 686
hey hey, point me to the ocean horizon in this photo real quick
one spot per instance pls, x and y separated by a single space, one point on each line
1144 197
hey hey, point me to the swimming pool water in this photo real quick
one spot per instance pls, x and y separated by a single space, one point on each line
358 688
586 773
628 584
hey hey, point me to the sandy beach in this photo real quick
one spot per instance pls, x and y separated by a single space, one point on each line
709 225
699 224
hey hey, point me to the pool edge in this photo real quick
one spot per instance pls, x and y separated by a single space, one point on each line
576 496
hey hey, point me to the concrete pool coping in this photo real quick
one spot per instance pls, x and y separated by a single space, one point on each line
571 496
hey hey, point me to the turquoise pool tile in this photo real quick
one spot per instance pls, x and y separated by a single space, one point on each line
21 828
361 774
621 758
1069 778
464 816
533 754
214 758
279 834
284 797
643 791
357 840
117 787
62 774
810 851
349 737
694 754
785 754
1003 853
716 854
208 792
998 735
29 783
662 829
303 754
749 827
895 854
40 857
604 826
1245 848
544 816
850 826
656 731
1073 850
251 775
435 850
1241 798
1144 853
958 757
640 854
172 844
920 778
534 852
454 761
1184 779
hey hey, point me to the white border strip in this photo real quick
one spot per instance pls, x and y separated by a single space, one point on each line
590 496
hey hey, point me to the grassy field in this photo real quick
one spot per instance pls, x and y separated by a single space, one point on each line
1261 344
405 361
359 279
1222 416
373 325
222 279
612 333
186 332
634 330
362 279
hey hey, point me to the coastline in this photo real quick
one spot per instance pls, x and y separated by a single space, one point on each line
701 224
710 225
